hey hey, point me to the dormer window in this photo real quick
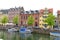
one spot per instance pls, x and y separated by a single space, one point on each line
17 9
27 11
14 9
36 11
32 11
22 12
45 16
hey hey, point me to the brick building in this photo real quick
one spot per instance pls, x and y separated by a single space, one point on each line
38 15
24 16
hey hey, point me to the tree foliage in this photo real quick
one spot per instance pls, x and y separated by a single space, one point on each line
4 19
50 20
30 20
15 19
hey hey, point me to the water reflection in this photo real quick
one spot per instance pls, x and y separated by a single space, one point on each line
57 38
25 35
54 38
38 37
41 37
18 36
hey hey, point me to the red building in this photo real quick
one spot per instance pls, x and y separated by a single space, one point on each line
24 17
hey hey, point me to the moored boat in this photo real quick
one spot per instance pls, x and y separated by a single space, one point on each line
55 33
25 30
12 30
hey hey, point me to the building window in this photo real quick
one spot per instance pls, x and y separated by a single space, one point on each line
14 9
22 12
36 11
59 16
40 24
46 12
26 22
27 11
32 11
21 22
59 22
44 16
45 25
36 24
21 17
43 20
40 20
36 18
24 17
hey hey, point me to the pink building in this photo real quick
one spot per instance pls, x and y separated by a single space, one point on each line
14 11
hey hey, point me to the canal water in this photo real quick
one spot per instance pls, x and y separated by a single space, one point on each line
17 36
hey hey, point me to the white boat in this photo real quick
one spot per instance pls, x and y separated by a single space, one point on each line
12 30
55 33
25 30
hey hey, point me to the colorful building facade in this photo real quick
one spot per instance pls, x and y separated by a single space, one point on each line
43 15
24 16
14 11
38 15
58 18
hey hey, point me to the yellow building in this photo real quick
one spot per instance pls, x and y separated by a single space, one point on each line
42 23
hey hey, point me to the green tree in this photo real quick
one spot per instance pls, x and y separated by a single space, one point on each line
15 20
30 20
4 20
50 20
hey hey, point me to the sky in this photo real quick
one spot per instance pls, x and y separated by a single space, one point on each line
31 4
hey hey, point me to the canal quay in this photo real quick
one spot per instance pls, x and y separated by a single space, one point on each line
19 24
17 36
38 34
29 20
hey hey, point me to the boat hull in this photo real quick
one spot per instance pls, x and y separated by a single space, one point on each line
12 30
24 30
55 33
